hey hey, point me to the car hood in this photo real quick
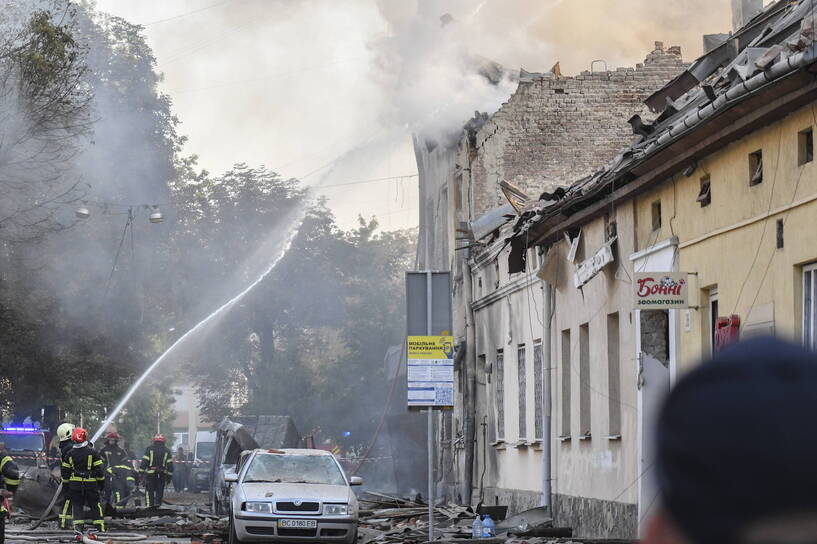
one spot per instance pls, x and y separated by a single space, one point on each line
283 491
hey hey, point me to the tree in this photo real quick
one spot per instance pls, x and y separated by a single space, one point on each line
76 324
44 115
317 328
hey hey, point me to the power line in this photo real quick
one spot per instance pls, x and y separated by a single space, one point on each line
181 15
373 180
228 84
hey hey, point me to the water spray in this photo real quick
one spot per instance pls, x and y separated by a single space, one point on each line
287 244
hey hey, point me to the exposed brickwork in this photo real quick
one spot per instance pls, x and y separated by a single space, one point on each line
555 130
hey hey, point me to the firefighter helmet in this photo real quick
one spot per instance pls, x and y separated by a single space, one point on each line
79 435
159 438
64 431
113 435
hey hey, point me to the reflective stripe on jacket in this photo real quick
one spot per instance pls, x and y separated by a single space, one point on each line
83 464
157 459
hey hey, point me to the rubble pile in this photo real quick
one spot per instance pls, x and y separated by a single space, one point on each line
386 519
176 521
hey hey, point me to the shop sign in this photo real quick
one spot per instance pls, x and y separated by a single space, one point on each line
660 290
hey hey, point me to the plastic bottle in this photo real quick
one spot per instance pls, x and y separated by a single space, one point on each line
476 528
488 527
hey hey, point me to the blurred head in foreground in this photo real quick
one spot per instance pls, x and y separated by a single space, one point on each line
737 450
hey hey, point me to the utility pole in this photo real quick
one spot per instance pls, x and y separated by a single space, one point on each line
430 419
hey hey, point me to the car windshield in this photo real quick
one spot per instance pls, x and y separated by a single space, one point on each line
289 468
22 441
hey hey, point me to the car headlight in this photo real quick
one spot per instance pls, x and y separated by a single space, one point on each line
335 509
258 507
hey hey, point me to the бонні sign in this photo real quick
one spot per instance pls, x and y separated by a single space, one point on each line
660 290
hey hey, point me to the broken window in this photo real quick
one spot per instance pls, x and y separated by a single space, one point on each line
780 226
500 395
805 145
522 392
539 391
756 168
565 384
656 215
705 194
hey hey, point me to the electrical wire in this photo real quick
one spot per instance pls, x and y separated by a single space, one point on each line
385 411
128 224
785 218
181 15
230 84
765 222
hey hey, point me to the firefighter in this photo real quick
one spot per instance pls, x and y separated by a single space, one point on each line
65 444
157 467
119 480
84 471
9 480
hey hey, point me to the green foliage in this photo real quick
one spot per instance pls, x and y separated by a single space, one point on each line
77 328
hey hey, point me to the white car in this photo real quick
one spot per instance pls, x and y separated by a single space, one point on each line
292 496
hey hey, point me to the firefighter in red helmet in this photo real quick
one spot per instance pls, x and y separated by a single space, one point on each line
83 471
157 467
119 480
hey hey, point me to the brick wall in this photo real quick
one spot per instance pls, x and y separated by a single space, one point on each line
555 130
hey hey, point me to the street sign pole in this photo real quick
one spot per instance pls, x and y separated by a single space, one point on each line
430 421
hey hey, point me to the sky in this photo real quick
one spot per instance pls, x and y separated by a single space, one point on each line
330 91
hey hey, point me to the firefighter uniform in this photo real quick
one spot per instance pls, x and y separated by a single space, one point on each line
83 471
9 480
157 466
119 480
66 515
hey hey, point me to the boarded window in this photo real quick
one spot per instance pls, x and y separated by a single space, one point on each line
500 395
805 147
705 194
539 391
614 374
565 383
656 215
584 380
522 392
756 168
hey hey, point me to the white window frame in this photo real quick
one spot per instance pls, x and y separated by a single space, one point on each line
713 297
522 390
499 395
539 391
810 306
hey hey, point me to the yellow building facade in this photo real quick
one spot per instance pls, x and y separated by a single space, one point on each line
749 243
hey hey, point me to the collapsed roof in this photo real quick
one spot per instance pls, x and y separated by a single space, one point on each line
776 44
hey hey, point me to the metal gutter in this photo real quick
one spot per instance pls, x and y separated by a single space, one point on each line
681 129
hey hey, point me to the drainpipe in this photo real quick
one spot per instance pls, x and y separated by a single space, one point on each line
547 449
469 366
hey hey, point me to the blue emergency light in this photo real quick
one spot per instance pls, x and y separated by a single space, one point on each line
21 429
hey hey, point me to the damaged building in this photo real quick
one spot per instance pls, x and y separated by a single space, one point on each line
550 212
715 192
551 130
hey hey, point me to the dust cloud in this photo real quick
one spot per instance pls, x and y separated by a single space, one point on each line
298 85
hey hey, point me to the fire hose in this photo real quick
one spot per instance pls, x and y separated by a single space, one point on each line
48 536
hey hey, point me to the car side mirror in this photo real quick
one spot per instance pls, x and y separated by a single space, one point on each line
231 477
355 480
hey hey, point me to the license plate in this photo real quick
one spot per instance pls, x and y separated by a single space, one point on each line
297 524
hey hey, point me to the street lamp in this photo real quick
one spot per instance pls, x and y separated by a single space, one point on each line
156 216
82 212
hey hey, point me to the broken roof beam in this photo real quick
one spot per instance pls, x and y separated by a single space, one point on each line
757 111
